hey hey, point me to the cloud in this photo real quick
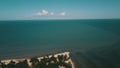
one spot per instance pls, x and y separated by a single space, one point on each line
62 14
47 13
51 13
42 13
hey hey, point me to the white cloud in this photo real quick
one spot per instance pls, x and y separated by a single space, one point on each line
62 14
42 13
47 13
51 13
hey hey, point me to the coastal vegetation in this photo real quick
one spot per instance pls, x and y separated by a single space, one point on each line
60 61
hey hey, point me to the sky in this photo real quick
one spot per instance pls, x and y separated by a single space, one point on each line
59 9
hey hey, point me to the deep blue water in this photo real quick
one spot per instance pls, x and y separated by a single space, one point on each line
29 38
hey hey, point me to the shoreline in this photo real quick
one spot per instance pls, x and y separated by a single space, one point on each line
39 58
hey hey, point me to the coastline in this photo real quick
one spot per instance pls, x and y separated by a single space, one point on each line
39 58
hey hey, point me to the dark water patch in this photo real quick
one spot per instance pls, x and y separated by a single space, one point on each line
101 57
109 25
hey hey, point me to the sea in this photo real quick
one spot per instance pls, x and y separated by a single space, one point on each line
93 43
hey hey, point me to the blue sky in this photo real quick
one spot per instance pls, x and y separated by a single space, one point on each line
59 9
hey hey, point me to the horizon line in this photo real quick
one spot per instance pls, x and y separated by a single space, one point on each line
61 19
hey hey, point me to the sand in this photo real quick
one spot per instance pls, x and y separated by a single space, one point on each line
28 60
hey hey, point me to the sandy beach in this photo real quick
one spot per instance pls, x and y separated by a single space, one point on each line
39 58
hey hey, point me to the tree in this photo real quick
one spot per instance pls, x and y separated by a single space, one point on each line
25 64
3 65
34 61
11 64
19 65
62 61
22 64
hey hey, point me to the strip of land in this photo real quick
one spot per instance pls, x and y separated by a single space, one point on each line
67 54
